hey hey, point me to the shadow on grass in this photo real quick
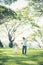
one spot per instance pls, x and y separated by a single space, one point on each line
17 60
22 60
40 63
33 59
3 59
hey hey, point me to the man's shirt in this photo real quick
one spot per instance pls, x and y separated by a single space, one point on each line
24 42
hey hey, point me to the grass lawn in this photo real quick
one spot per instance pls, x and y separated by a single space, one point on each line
33 57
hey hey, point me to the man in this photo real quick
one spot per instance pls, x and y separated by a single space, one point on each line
24 48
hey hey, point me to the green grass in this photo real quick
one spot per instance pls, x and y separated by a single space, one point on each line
33 57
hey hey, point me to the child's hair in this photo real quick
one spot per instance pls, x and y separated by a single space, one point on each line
15 44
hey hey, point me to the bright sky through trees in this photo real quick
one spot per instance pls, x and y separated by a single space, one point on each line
27 12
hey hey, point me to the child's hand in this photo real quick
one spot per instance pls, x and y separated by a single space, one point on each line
21 43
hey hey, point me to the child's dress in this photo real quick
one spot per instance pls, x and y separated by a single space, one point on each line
15 49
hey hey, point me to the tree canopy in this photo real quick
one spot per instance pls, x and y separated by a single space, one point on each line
6 14
25 16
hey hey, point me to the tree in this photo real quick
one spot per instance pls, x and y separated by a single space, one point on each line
11 32
10 35
6 14
26 16
1 45
7 2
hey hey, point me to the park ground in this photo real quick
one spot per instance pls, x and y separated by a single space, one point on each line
33 57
